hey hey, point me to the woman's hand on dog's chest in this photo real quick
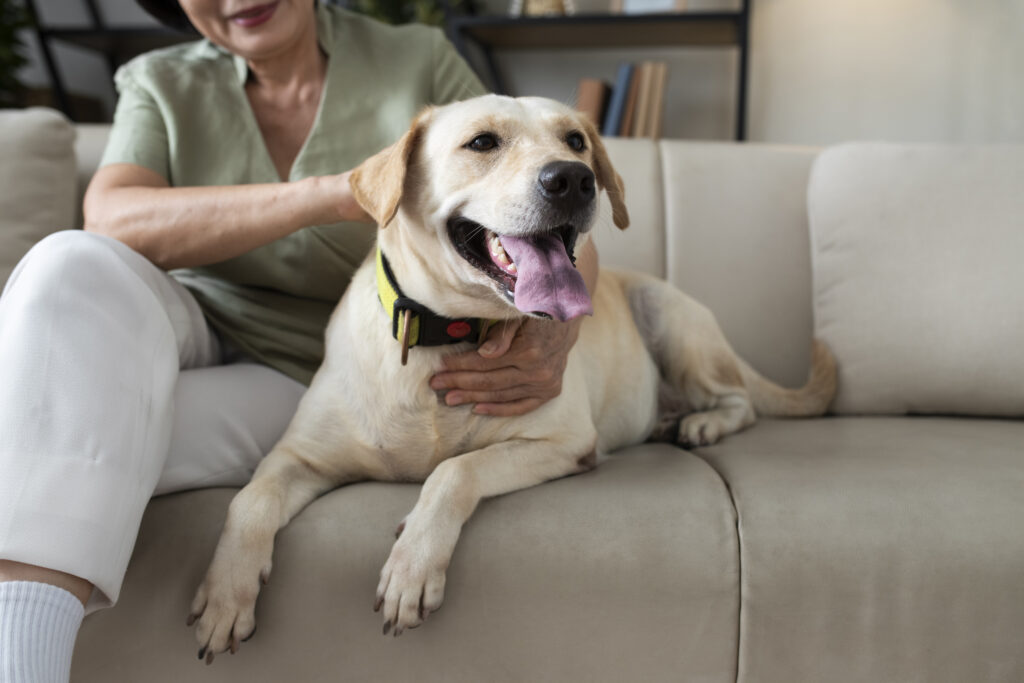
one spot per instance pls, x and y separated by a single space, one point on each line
518 369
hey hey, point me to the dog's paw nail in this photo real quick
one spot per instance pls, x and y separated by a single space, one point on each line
202 652
397 632
251 634
191 620
209 658
387 627
377 603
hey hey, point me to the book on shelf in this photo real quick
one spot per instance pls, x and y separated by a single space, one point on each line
643 101
630 112
617 101
635 104
656 110
592 99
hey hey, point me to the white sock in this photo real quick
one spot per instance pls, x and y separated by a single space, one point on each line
38 625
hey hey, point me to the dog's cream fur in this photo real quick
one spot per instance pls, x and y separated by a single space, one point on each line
648 356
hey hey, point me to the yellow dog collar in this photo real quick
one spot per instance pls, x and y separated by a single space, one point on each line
414 324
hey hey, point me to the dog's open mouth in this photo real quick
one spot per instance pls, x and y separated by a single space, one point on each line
537 272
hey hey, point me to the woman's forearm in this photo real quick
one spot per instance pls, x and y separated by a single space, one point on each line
193 226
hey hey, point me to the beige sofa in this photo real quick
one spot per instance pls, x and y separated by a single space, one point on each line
865 546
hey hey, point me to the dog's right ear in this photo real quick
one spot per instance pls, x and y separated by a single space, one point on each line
607 178
378 183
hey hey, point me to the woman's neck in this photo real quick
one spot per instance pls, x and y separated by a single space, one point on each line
302 63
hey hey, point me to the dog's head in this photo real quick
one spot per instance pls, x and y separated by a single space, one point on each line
492 196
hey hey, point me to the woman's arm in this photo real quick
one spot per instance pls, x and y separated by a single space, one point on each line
192 226
520 366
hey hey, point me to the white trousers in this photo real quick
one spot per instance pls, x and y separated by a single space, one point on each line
113 388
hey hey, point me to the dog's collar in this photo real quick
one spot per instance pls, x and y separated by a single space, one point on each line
414 324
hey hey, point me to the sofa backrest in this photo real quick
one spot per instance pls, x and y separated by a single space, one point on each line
89 144
726 223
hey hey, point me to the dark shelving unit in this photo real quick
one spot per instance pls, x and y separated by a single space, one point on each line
682 29
116 44
120 43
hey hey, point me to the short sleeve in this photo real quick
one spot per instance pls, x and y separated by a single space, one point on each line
139 133
454 80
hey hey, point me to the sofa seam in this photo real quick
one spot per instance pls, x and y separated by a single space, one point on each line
739 558
663 206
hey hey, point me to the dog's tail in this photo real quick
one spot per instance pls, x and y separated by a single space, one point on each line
810 400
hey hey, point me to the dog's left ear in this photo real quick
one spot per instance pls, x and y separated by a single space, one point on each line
607 178
377 183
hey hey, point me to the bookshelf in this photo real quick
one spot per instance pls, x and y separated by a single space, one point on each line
116 44
728 30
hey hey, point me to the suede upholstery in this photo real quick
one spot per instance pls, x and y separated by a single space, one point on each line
839 549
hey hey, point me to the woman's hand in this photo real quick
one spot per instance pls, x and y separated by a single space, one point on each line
517 369
347 206
520 365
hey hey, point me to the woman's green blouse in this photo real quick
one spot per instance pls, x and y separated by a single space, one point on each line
183 113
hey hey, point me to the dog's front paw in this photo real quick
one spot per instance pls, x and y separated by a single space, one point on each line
411 585
224 608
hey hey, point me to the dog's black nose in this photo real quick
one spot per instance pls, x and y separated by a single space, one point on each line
570 183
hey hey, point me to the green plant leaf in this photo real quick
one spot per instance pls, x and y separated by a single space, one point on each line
13 19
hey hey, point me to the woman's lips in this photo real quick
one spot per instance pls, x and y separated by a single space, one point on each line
255 16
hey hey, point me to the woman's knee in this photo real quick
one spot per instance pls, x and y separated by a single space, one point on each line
69 258
71 254
69 265
102 283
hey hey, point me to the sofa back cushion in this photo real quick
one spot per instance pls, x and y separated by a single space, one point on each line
642 245
736 222
90 140
918 257
37 181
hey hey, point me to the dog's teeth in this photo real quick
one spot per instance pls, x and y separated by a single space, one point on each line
499 255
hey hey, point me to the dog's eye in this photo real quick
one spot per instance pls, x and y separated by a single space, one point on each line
483 143
575 141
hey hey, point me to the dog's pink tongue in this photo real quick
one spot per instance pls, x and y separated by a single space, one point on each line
546 281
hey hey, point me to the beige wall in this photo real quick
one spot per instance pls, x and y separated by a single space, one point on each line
826 71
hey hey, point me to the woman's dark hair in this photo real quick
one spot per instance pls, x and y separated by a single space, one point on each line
168 13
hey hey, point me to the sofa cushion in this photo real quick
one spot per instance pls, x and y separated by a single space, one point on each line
90 141
736 219
37 180
626 573
642 245
918 256
879 548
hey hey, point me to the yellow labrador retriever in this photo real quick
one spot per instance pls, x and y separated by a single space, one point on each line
481 205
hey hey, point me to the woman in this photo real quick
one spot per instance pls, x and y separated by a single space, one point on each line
227 162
